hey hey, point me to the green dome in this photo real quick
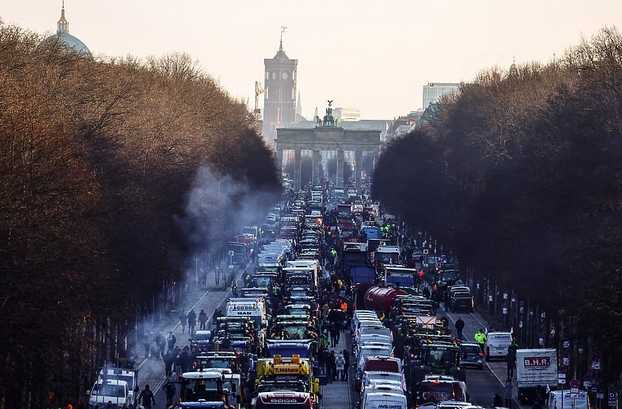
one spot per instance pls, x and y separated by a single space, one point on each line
62 35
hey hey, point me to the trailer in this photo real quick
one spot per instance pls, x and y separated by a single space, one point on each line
535 368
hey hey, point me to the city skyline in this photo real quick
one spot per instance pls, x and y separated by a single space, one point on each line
369 55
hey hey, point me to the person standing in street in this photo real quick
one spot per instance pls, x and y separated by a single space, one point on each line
182 322
171 340
169 360
234 289
322 360
340 365
202 319
136 395
161 343
332 363
192 321
146 345
187 359
146 398
334 334
480 339
170 391
511 360
324 339
459 328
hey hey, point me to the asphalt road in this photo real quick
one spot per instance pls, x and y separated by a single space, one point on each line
482 384
209 302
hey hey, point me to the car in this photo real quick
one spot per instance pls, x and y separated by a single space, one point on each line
362 339
460 299
373 351
373 329
376 358
452 404
437 388
383 377
200 341
372 343
497 344
471 356
380 400
380 387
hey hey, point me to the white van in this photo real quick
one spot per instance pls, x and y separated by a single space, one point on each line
565 399
383 400
497 344
109 390
384 378
372 330
120 374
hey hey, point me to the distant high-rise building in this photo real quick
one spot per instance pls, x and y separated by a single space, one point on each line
347 114
279 93
433 91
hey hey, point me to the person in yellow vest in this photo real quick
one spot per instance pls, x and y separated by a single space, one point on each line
480 338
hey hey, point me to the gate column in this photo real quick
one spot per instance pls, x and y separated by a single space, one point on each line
315 160
279 161
358 167
340 159
297 168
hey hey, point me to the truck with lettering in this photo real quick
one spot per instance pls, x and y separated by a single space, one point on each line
254 308
534 368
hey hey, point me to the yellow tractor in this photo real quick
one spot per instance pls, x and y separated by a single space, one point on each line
287 369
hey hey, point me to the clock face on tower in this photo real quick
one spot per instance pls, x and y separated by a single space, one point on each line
284 76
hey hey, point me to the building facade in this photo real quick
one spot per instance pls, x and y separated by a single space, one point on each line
280 92
347 114
434 91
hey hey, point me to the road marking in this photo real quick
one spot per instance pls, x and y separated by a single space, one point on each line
159 385
178 324
474 317
226 294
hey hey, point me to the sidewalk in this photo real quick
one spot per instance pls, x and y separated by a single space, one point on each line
151 371
336 395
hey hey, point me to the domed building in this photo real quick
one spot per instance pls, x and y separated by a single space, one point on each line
62 35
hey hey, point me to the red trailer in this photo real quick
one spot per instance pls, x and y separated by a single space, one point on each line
381 298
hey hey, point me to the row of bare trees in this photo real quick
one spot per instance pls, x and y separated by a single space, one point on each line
521 173
96 160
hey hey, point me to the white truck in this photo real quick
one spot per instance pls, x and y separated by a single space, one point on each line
254 308
535 367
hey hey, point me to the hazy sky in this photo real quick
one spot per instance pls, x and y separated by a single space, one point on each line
371 54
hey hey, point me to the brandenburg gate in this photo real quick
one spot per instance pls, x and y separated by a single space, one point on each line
326 136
